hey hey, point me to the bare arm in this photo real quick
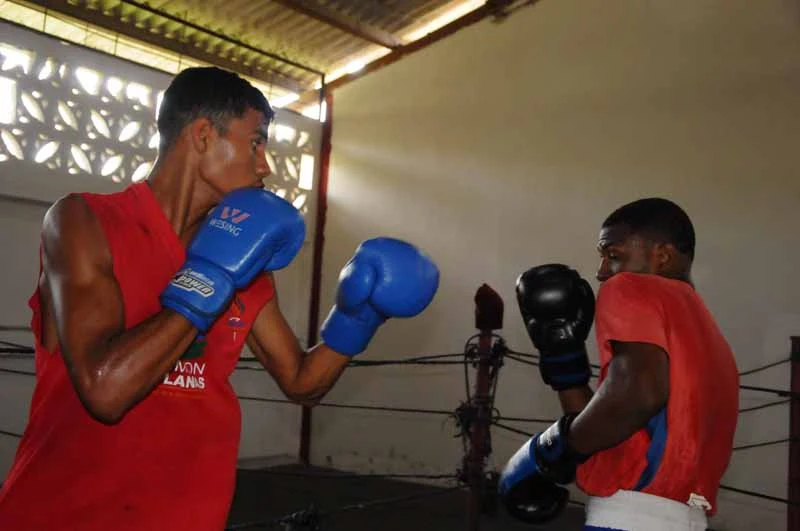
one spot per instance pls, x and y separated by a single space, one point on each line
111 368
304 377
636 388
576 399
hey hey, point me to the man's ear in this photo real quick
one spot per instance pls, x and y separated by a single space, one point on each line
200 132
665 255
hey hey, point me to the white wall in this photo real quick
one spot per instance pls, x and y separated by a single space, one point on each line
505 146
28 188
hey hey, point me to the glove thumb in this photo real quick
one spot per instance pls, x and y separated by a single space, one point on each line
356 283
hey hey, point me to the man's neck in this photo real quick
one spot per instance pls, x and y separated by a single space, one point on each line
183 198
683 276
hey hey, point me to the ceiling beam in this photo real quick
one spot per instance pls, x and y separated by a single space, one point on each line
498 9
368 32
490 8
196 49
163 14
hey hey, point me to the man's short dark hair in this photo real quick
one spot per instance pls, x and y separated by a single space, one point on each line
206 92
658 220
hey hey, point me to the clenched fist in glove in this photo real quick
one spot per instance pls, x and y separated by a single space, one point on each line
385 278
529 484
557 307
250 231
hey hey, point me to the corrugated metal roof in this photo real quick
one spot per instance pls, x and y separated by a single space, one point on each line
280 41
284 45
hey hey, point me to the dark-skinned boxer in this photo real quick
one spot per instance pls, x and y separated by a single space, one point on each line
651 444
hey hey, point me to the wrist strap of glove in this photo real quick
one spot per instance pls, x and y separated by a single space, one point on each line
557 460
349 334
565 370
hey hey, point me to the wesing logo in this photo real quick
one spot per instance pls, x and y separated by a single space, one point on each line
229 220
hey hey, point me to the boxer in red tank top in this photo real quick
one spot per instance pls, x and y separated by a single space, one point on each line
133 423
650 446
657 462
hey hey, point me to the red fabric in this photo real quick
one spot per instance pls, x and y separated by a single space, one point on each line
702 409
171 462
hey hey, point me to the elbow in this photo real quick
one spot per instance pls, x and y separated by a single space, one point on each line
101 401
102 410
306 398
302 391
106 416
308 402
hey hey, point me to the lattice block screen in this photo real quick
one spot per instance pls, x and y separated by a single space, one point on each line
75 111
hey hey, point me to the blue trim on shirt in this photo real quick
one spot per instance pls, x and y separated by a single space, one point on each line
657 429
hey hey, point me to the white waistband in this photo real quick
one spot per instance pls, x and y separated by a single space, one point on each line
634 511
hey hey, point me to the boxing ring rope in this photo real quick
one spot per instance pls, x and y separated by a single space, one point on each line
760 495
484 352
765 367
7 353
11 350
353 406
432 359
494 422
10 347
766 443
764 406
536 357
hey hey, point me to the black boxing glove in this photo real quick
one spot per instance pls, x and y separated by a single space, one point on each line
557 307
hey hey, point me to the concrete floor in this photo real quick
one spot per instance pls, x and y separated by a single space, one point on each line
357 503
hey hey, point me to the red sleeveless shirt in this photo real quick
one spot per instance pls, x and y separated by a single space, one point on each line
170 463
684 451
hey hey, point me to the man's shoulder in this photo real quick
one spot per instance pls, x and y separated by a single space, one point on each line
67 212
629 283
118 208
642 281
643 289
636 289
118 197
81 215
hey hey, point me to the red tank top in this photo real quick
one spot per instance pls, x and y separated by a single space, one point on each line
684 451
170 463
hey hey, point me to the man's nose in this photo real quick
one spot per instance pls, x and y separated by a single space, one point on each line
603 272
262 166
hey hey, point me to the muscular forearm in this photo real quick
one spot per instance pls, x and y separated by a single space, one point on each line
318 372
83 313
576 399
122 370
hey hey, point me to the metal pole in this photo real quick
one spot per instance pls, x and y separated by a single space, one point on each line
488 317
316 274
793 512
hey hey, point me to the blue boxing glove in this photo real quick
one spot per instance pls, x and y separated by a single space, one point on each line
384 278
529 483
250 231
